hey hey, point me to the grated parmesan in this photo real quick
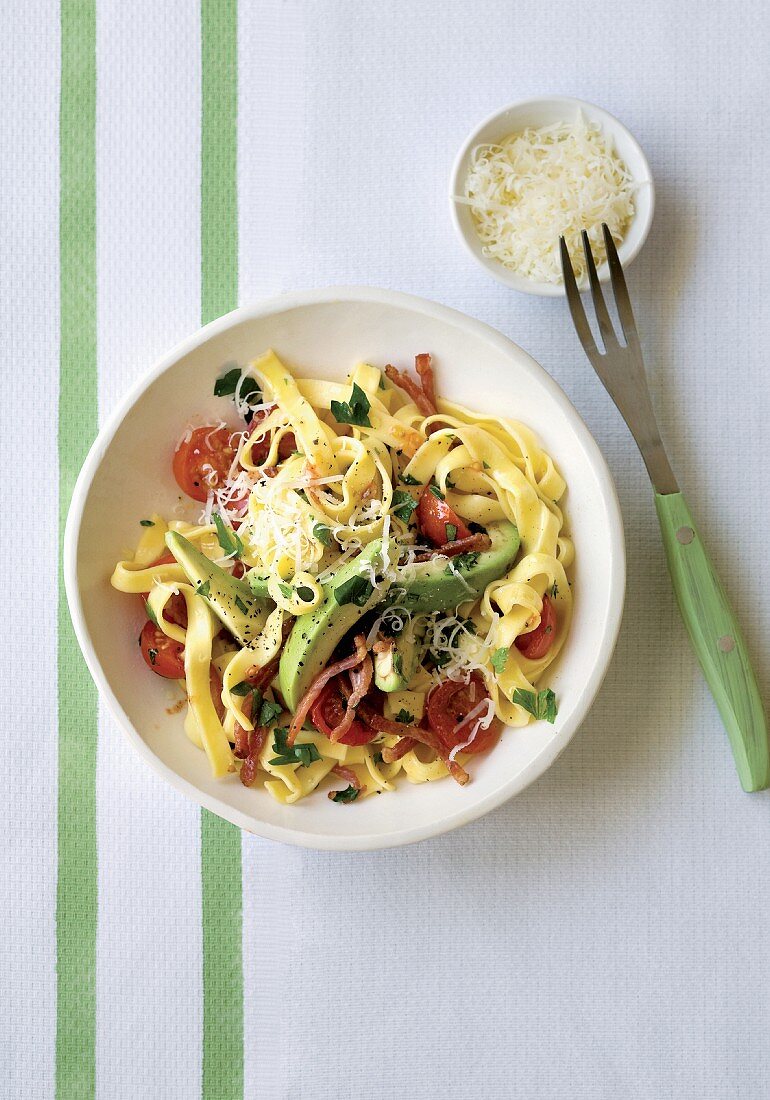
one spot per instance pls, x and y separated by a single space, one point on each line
540 184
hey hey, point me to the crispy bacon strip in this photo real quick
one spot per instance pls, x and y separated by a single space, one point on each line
401 748
401 379
320 682
349 777
422 364
361 681
476 542
251 763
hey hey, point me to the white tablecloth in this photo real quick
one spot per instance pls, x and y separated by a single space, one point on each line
605 934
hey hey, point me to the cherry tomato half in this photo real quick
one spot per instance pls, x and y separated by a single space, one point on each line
203 461
261 448
328 711
449 704
433 516
537 642
163 655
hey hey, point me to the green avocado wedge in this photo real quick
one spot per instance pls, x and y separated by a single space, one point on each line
314 636
232 601
442 584
395 667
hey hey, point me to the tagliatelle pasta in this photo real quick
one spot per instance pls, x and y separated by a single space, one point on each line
370 593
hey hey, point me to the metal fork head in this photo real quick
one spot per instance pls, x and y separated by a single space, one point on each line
619 366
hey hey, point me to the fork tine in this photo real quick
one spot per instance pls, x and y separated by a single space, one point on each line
579 319
622 300
602 316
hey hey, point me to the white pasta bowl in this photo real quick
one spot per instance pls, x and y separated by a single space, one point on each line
546 111
324 333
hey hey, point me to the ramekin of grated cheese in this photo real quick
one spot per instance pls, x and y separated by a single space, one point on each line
542 168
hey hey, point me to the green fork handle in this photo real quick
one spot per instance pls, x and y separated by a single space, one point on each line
717 640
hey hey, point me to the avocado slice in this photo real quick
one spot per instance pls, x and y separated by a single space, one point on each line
314 636
394 668
432 587
257 582
232 601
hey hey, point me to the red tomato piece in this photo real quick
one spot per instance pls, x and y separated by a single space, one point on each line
447 707
433 516
537 642
261 448
328 711
203 461
163 655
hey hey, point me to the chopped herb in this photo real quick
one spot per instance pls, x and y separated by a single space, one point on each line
437 492
354 411
305 593
499 659
302 495
150 613
227 386
242 688
323 534
293 453
286 590
303 754
146 523
462 561
204 588
355 590
405 717
450 484
485 465
152 654
377 758
398 665
268 712
382 382
554 591
407 479
227 538
541 705
403 505
242 607
451 532
350 794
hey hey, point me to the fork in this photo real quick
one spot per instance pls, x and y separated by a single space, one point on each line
710 621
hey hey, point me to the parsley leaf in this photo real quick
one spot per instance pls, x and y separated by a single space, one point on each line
204 588
485 465
150 613
377 758
242 607
398 665
403 505
323 534
227 386
268 712
499 659
462 561
541 705
355 590
451 532
349 794
146 523
152 654
437 492
242 688
286 590
407 479
227 538
304 753
554 591
405 717
381 383
354 411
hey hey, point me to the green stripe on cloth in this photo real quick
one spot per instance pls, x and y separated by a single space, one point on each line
220 841
76 904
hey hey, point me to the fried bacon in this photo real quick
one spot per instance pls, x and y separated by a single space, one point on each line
361 681
401 748
410 736
248 745
422 364
425 403
320 682
472 544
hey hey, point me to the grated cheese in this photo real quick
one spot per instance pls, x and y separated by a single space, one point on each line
541 184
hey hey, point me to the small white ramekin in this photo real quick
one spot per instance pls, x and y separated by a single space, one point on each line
545 111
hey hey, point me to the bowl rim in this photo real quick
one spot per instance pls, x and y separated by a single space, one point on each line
596 460
497 270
